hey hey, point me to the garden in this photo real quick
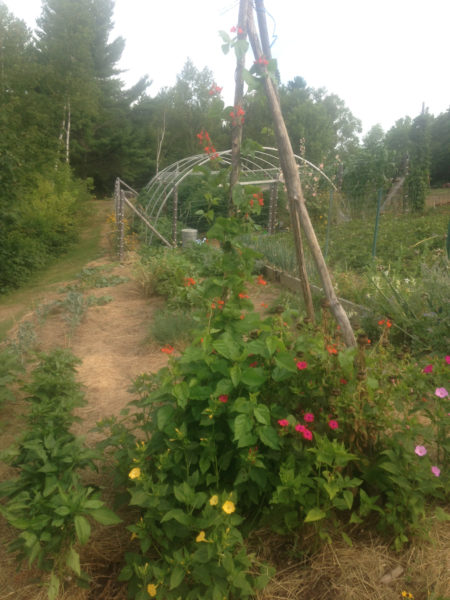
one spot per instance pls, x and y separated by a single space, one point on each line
270 444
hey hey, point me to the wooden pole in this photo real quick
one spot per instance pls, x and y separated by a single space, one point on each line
295 193
295 219
236 132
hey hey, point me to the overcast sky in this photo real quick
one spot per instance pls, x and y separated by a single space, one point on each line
383 58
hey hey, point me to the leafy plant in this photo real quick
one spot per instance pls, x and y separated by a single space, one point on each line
47 502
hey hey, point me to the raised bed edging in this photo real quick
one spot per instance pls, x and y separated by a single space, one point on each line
294 285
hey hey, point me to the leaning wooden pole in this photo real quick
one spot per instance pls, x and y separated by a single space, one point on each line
236 131
295 220
294 188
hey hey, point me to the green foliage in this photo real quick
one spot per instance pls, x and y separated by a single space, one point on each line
172 327
47 502
267 421
10 366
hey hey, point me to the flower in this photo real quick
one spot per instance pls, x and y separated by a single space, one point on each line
134 473
307 434
309 417
331 350
447 360
223 398
441 392
427 369
188 281
228 507
302 365
333 424
214 500
261 281
242 295
151 590
300 428
420 450
201 537
343 381
436 471
283 422
167 349
233 29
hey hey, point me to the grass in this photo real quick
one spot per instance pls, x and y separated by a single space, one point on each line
17 303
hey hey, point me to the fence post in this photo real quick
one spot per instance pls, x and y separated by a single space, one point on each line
330 209
377 219
175 215
121 225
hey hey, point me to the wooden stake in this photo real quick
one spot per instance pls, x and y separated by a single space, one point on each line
295 193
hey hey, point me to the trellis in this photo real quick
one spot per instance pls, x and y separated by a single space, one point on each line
261 168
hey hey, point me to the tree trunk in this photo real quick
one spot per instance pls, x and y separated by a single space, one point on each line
295 193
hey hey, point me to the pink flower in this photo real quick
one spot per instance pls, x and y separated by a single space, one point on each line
332 424
300 428
447 360
428 369
283 422
309 417
302 365
436 471
441 392
223 398
307 434
420 450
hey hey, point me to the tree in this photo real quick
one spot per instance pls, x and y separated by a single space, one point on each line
440 149
418 180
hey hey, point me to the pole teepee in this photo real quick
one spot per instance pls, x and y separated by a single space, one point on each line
296 199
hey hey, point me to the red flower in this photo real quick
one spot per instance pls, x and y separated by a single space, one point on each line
283 422
428 369
253 364
233 29
223 398
332 424
343 381
242 295
331 350
167 349
261 281
302 364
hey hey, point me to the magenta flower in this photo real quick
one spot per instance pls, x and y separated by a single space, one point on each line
309 417
420 450
300 428
441 392
436 471
447 360
301 365
223 398
283 422
332 424
428 369
307 434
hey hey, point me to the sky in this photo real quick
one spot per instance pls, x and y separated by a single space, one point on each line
383 58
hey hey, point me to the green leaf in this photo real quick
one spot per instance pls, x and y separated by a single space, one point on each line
235 374
164 416
176 577
269 437
285 360
53 588
253 377
82 529
346 539
315 514
243 431
73 561
181 393
105 516
348 497
227 347
262 414
178 515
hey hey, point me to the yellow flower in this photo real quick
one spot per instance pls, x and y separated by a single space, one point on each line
151 590
134 473
214 500
201 537
228 507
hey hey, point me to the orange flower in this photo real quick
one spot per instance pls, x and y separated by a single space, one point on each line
331 350
261 281
167 349
242 295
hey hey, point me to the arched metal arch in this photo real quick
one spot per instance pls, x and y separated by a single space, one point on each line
265 163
